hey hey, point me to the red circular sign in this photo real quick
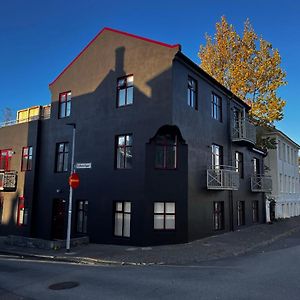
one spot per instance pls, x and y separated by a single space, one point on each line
74 180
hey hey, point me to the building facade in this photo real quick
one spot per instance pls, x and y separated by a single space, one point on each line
283 166
172 153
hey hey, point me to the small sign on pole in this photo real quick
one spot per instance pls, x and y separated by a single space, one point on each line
83 165
74 181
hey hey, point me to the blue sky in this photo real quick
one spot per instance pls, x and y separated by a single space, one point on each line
39 38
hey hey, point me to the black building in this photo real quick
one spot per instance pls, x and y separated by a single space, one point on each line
172 153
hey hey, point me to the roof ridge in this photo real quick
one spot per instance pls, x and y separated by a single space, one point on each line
115 31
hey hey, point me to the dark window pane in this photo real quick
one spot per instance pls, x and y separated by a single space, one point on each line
128 161
62 157
171 157
192 90
126 225
60 163
62 97
84 225
122 97
68 110
120 158
66 158
62 110
159 156
29 164
129 140
61 147
24 163
82 207
218 215
121 83
121 140
130 95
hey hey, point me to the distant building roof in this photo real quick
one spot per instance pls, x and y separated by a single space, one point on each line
275 131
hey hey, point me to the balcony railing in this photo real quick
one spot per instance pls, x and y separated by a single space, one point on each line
223 178
19 121
243 131
261 183
8 180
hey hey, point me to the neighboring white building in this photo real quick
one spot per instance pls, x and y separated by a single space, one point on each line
284 169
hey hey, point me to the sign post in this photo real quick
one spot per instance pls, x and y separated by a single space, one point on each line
71 190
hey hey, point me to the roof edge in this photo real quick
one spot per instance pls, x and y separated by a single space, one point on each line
185 58
276 131
119 32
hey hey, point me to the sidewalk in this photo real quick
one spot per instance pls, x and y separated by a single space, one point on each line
215 247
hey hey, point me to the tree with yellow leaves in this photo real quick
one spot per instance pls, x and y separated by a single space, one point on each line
248 66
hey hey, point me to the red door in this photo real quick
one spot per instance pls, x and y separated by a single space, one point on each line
58 219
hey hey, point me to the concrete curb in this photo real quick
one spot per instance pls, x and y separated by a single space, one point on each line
96 261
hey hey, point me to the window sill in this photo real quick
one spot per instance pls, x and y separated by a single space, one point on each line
166 169
121 237
61 118
164 230
123 106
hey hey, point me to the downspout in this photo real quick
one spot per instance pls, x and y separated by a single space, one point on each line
229 157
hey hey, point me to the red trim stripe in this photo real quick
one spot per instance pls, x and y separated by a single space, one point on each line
119 32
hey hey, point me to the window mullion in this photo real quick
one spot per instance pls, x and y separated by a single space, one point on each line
122 233
124 151
164 214
125 91
165 156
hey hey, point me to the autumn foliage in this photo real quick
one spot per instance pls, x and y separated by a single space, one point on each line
248 66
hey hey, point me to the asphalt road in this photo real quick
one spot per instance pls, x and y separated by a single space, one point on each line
272 272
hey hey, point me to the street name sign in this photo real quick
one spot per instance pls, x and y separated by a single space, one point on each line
83 165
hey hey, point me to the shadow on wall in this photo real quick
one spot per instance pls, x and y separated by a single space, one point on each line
8 212
97 123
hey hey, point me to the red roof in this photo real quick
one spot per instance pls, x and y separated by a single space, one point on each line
119 32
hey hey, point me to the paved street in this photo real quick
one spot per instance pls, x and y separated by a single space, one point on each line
271 272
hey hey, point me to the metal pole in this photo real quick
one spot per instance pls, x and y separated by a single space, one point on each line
71 192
